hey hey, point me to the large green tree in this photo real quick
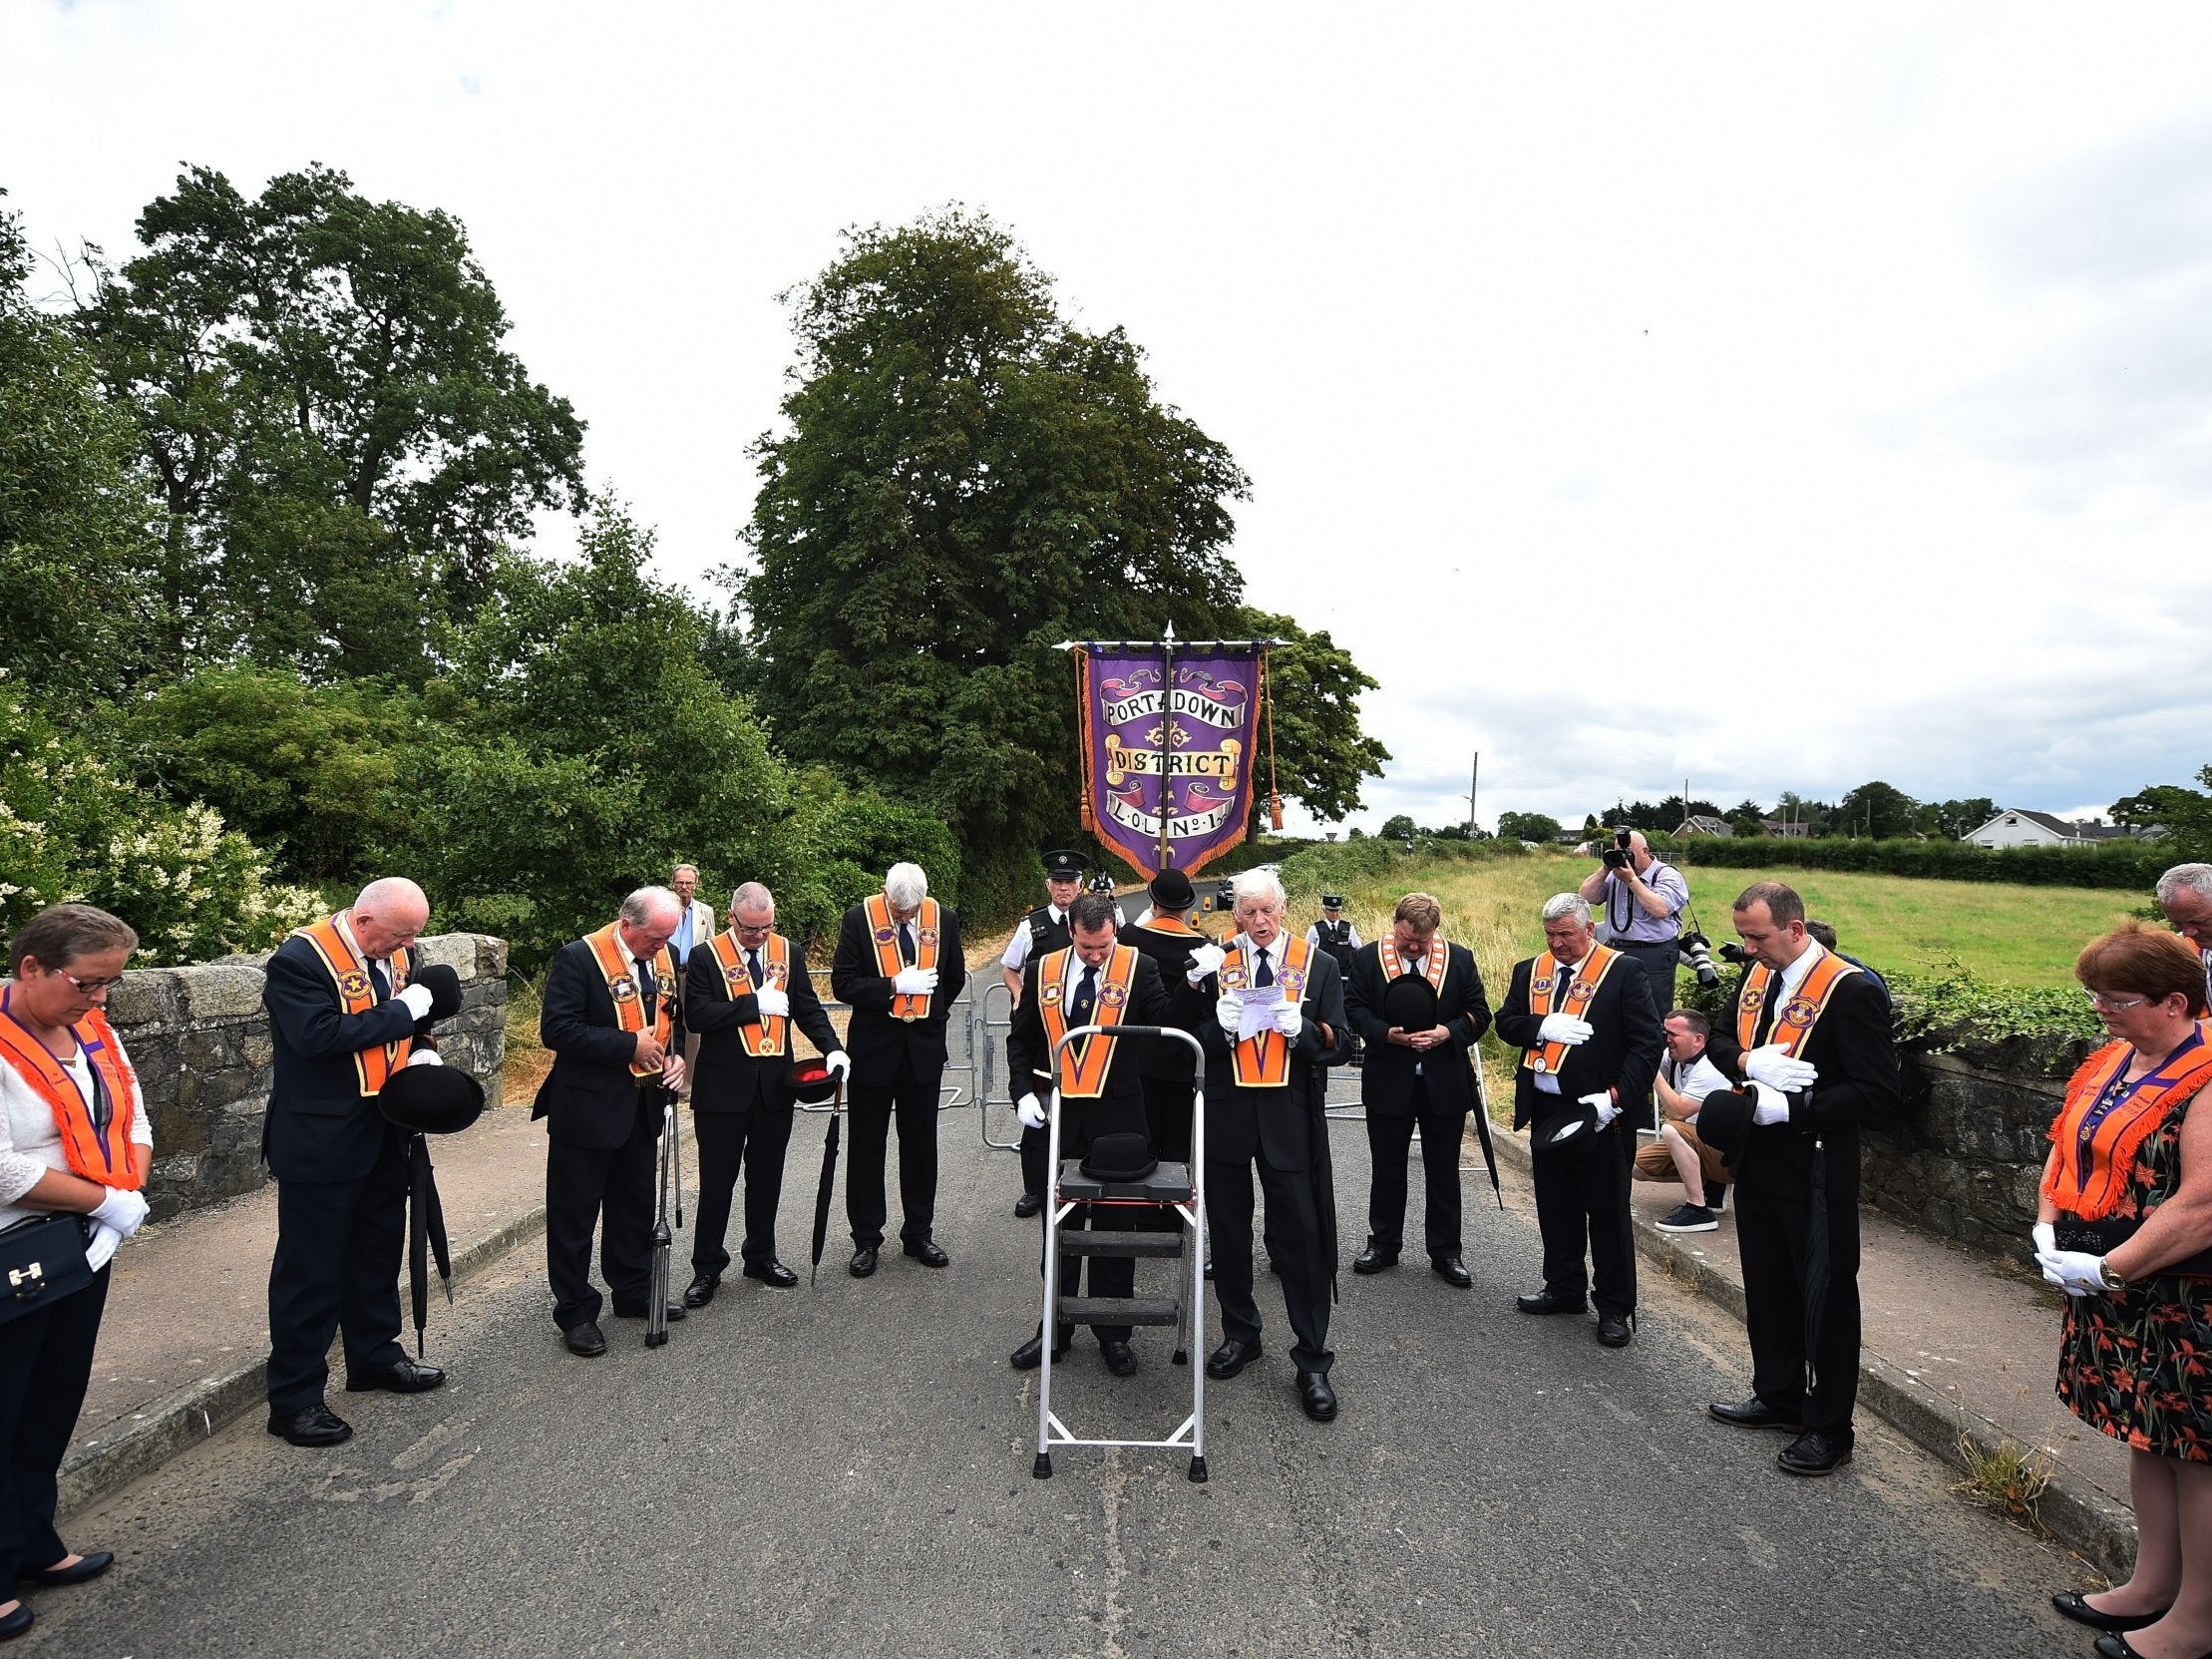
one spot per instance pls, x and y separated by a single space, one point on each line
1877 809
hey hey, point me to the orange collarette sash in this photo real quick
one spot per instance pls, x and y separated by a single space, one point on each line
373 1066
1549 979
764 1038
1438 963
1083 1063
884 930
1174 924
622 984
1796 1020
1264 1061
108 1155
2088 1177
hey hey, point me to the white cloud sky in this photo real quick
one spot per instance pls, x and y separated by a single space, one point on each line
1779 397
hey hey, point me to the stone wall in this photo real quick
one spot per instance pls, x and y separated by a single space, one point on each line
1969 1162
200 1041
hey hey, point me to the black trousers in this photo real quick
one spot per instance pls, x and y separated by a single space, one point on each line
1036 1150
1581 1204
45 1363
613 1189
757 1138
1389 1139
336 1271
1109 1275
1771 1225
1658 965
914 1099
1294 1228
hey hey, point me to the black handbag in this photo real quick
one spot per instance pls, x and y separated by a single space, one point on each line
2100 1238
42 1259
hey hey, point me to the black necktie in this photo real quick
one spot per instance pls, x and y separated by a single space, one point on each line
905 943
752 966
646 989
1766 1012
1263 975
383 979
1087 997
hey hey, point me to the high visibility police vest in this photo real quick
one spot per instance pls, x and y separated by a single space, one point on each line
1084 1062
374 1066
884 929
103 1152
1264 1061
764 1038
614 958
1795 1022
1566 991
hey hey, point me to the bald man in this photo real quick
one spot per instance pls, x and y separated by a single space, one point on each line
342 1018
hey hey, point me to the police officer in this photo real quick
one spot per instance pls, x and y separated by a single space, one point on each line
1336 935
1042 929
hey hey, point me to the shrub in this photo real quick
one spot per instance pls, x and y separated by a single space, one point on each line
2118 864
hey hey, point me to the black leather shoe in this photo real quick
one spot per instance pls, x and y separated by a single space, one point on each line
1316 1398
772 1273
863 1263
1612 1331
92 1566
316 1426
701 1291
404 1377
1815 1451
1452 1271
1549 1302
928 1252
1373 1260
1120 1358
676 1312
587 1340
2076 1606
1029 1204
1030 1354
1754 1413
16 1623
1232 1357
2116 1646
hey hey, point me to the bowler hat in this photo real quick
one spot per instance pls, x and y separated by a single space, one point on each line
1171 890
432 1100
1565 1122
811 1080
1409 1002
444 986
1120 1157
1725 1120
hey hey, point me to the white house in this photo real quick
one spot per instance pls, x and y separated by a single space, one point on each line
2017 826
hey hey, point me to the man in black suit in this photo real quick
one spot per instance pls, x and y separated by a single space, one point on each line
1092 981
1419 1076
1584 1015
898 966
1811 1044
745 988
608 1015
1165 933
342 1020
1043 929
1279 1019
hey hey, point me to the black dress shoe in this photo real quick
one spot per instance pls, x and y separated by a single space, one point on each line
1373 1260
587 1340
772 1272
2113 1645
1232 1357
676 1312
1029 1204
863 1263
16 1623
1316 1398
1452 1271
1815 1451
1030 1354
1754 1413
928 1252
92 1566
316 1426
1612 1331
2076 1606
404 1377
1120 1358
1549 1302
701 1291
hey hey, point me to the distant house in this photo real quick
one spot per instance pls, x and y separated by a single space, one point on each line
2018 826
1702 823
1795 828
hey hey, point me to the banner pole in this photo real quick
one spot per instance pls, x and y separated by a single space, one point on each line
1166 724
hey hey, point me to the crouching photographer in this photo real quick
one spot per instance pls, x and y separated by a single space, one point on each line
1640 903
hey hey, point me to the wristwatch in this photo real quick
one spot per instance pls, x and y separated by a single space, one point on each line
2106 1277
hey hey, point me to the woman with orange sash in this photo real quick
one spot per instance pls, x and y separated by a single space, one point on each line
2123 1227
74 1142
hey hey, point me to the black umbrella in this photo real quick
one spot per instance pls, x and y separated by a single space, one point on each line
426 1235
1816 1264
828 1184
423 1101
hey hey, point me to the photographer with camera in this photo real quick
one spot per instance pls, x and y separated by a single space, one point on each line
1642 902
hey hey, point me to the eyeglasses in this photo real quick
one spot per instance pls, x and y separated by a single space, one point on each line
89 987
2114 1004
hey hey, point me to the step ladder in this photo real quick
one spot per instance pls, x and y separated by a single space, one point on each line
1172 1186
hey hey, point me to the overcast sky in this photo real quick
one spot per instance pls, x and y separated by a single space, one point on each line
1777 396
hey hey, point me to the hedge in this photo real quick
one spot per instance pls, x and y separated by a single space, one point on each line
2133 865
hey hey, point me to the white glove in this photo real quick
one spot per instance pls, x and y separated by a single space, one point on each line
1287 1020
774 1003
1030 1111
2046 1237
426 1057
417 999
1565 1027
1230 1011
914 981
1603 1101
840 1063
1776 1070
2075 1272
100 1249
1207 959
124 1211
1773 1107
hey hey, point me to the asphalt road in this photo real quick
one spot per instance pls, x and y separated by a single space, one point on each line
845 1470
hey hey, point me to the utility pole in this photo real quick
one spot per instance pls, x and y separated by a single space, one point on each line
1474 782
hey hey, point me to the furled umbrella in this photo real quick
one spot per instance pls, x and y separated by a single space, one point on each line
428 1097
812 1080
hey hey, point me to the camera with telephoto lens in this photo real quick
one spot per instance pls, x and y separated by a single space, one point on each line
1733 952
1694 951
1616 855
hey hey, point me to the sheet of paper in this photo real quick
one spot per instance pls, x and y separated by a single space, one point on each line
1257 1013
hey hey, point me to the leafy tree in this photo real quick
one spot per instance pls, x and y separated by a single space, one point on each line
1320 753
2154 803
1956 818
1398 827
1527 826
1877 809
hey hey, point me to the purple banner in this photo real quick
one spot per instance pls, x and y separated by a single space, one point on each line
1183 753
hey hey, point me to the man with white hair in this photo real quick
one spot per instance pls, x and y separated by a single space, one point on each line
2185 897
342 1020
608 1014
898 966
1278 1021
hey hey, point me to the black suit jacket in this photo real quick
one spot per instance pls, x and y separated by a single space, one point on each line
875 1041
725 1077
1239 1121
589 1097
1120 1109
1386 1081
320 1127
1167 1059
1623 1052
1852 1048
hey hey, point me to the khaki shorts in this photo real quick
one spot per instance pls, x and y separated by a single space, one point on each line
1654 1162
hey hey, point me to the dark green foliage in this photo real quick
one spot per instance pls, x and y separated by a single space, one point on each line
1320 754
1527 826
2118 864
1335 866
